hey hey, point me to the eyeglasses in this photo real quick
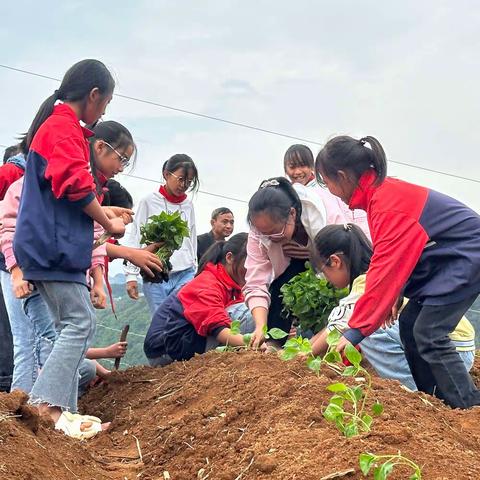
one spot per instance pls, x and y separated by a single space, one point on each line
319 271
124 160
182 181
276 236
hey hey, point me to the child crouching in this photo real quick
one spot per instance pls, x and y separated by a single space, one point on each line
196 318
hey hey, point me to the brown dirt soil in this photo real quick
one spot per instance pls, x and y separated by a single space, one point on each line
236 416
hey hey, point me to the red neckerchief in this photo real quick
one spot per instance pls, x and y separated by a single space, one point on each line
172 198
311 178
363 193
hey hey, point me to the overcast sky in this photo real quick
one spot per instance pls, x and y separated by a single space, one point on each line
406 72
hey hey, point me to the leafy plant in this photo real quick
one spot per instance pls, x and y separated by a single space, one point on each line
310 299
381 471
347 407
275 333
170 230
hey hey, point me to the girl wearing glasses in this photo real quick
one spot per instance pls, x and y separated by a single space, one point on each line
342 254
181 176
284 220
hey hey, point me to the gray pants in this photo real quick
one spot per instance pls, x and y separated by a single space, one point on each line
57 383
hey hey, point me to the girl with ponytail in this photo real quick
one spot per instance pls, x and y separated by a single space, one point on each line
198 317
54 232
284 220
425 244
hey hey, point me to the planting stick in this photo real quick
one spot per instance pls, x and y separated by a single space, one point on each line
123 338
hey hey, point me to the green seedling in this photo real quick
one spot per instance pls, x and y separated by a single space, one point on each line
381 471
310 299
347 407
169 229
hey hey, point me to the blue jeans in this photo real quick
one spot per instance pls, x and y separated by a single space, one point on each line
24 366
384 350
57 383
41 318
156 293
6 348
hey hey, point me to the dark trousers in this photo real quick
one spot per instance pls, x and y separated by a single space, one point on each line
6 349
434 362
276 315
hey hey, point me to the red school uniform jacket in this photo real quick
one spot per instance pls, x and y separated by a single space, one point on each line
423 241
54 237
206 298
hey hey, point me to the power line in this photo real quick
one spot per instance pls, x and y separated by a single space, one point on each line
119 331
237 124
200 191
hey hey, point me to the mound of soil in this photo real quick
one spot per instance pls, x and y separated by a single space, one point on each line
30 449
238 416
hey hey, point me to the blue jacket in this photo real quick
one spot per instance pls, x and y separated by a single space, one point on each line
54 237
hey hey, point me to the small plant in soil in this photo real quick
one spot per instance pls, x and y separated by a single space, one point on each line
347 407
169 229
310 299
275 333
383 465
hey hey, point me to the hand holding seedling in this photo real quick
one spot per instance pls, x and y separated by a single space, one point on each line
342 344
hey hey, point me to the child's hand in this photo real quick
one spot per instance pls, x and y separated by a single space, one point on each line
342 343
21 288
98 297
258 338
116 227
117 350
124 213
132 289
146 260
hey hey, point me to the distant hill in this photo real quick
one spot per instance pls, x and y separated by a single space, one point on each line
134 313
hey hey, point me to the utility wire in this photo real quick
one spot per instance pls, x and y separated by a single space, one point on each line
237 124
200 191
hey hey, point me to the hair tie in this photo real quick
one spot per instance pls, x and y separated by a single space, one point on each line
362 141
57 94
347 227
269 183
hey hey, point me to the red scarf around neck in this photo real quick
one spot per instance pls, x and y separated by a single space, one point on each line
171 198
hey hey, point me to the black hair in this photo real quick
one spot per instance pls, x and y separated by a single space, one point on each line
347 239
115 134
76 85
11 152
220 211
117 195
186 164
276 196
298 156
351 155
217 253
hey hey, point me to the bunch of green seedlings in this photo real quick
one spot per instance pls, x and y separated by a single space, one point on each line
381 471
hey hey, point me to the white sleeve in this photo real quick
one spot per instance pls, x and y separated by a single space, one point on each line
314 214
193 235
340 316
132 238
